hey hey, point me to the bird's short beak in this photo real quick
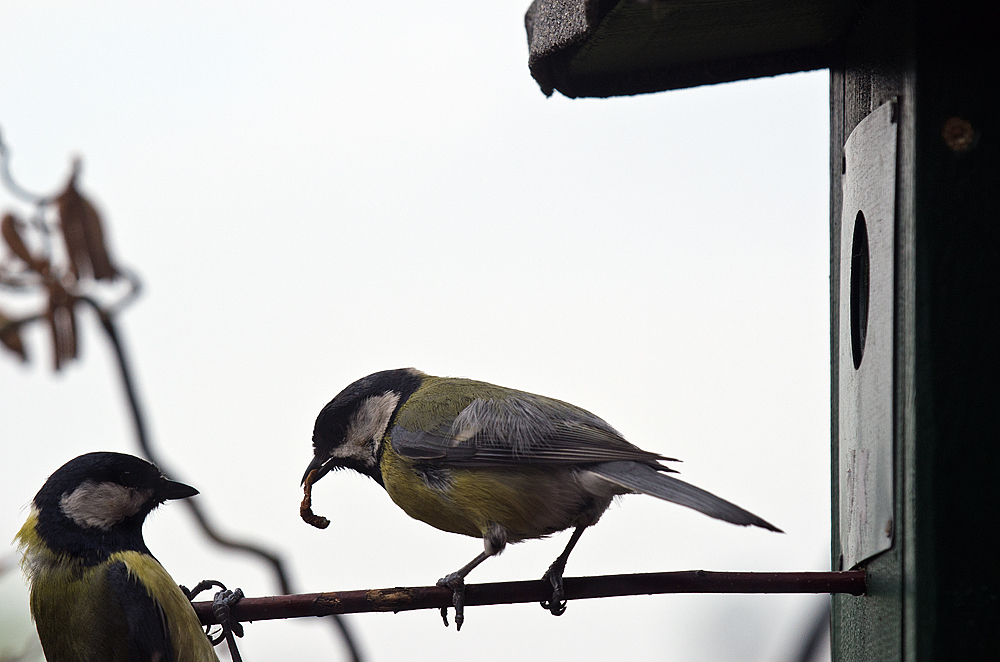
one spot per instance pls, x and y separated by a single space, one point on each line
317 464
171 489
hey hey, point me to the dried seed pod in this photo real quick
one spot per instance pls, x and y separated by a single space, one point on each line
83 234
10 336
12 236
62 322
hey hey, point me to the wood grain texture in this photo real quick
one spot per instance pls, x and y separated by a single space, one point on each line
933 595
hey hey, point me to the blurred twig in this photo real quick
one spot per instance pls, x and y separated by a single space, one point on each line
577 588
67 282
277 565
810 649
139 422
12 186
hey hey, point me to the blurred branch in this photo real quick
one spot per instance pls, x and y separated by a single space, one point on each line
210 530
13 186
138 420
577 588
64 281
811 647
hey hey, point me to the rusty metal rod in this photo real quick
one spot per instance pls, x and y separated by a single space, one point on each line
577 588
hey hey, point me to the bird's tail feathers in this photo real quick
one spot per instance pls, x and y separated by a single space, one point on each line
642 478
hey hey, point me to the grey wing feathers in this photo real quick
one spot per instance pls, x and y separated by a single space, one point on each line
643 478
526 429
444 451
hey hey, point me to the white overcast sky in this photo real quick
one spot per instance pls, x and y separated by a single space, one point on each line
313 191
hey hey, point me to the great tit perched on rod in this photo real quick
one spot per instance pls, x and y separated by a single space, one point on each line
492 463
97 594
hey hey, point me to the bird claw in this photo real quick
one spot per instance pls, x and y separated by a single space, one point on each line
221 604
224 600
200 587
456 583
557 603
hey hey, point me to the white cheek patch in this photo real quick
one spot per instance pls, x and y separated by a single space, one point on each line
102 505
352 452
368 426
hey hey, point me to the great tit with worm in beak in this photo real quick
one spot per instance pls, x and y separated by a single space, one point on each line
492 463
97 594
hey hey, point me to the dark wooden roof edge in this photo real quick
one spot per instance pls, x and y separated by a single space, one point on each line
550 75
552 27
558 30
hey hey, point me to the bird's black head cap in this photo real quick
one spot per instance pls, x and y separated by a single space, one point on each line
95 504
339 419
